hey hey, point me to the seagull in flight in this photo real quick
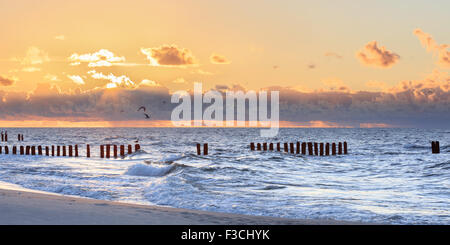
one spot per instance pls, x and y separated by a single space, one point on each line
142 107
146 116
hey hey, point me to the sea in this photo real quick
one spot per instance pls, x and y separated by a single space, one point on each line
389 175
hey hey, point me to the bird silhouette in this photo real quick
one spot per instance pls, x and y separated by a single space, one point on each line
142 107
146 116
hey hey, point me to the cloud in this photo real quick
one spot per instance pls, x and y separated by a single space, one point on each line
373 55
376 85
169 55
413 103
6 81
179 80
218 59
431 45
100 58
52 78
333 54
311 66
115 81
60 37
148 83
48 102
202 72
335 84
33 56
31 69
76 79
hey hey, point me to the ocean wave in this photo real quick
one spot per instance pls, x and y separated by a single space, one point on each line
414 146
272 187
443 165
149 170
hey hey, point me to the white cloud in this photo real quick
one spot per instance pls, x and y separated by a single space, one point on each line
76 79
100 58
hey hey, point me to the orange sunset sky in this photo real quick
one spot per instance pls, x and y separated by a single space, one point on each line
335 63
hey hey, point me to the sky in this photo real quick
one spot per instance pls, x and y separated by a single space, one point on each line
335 63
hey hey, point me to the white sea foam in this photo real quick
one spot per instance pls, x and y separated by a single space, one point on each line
149 170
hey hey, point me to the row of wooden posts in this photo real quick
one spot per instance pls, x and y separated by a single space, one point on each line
71 151
5 137
205 149
314 148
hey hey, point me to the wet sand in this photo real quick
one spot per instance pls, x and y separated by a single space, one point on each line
19 207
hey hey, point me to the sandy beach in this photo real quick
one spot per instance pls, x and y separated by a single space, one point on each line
19 207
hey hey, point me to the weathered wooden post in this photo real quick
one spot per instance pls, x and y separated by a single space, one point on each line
21 150
108 150
115 151
40 150
333 148
47 152
3 137
265 146
6 149
21 137
327 149
304 148
321 148
76 150
102 151
340 148
88 150
53 150
252 146
33 150
70 151
205 149
297 150
137 147
258 146
198 149
286 147
435 149
64 151
278 146
14 150
0 149
18 137
130 149
345 148
58 150
27 150
122 150
271 147
310 148
6 136
316 149
291 146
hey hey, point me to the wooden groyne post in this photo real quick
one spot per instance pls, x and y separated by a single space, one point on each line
435 149
88 150
102 151
122 150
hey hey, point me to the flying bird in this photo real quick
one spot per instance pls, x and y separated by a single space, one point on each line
146 116
142 107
